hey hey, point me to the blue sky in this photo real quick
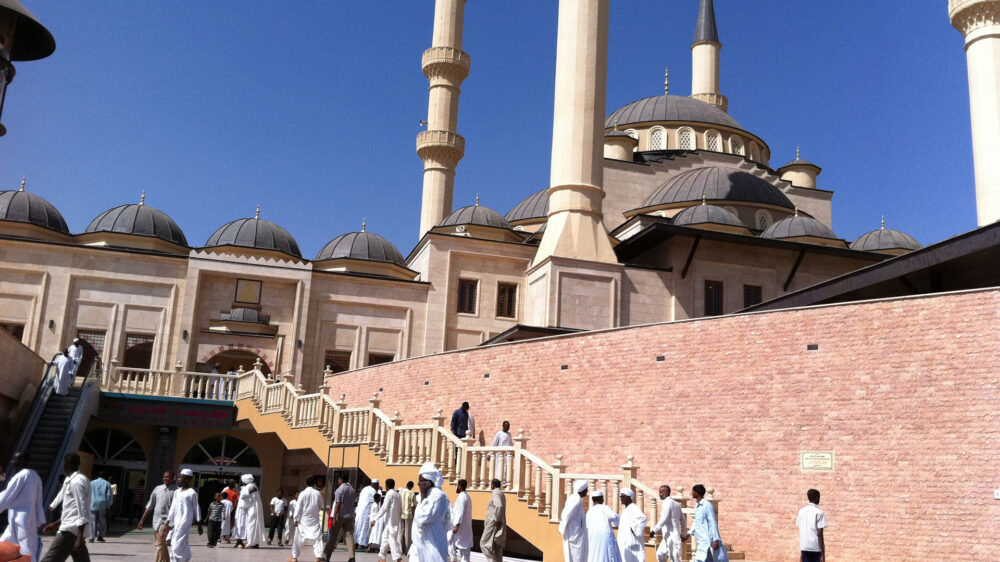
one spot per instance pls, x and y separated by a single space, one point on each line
311 108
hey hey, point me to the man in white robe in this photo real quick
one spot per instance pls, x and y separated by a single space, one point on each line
227 517
431 518
671 524
25 507
63 373
632 529
184 512
502 439
249 515
460 540
573 525
289 533
308 526
601 544
390 516
75 353
363 514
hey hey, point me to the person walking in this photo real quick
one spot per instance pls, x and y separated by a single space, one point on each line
408 502
390 516
706 530
249 515
495 524
671 525
307 521
341 518
100 504
502 439
159 506
75 353
63 376
431 518
573 525
289 533
213 520
460 421
461 520
227 518
601 545
363 514
631 529
184 512
279 505
75 498
138 499
22 500
811 521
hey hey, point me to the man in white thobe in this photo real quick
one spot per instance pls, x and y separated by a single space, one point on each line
25 507
75 353
502 439
431 518
184 512
308 526
631 529
249 515
363 515
460 539
601 544
63 373
289 533
671 524
390 516
75 499
573 525
227 518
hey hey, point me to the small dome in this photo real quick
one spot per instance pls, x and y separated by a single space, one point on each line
534 207
361 246
478 215
255 233
885 239
796 226
799 162
717 183
22 206
670 108
138 219
707 214
248 315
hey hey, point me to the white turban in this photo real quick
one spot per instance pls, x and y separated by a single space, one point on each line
580 486
76 340
627 492
597 494
187 472
431 472
375 481
247 479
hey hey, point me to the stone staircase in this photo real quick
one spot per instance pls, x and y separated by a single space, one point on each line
385 447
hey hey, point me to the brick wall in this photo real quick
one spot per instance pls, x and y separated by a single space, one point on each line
904 392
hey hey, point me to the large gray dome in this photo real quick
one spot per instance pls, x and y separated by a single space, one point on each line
670 108
717 183
361 246
255 233
21 206
793 227
885 239
478 215
535 206
139 219
707 214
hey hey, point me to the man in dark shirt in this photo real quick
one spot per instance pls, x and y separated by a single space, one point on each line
342 518
460 421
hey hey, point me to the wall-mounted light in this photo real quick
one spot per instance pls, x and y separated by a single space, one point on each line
299 344
52 324
184 335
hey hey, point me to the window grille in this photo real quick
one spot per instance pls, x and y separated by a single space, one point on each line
713 298
506 300
467 293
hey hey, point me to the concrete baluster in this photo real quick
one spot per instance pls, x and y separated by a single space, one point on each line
338 419
373 403
518 463
467 469
557 489
629 470
437 422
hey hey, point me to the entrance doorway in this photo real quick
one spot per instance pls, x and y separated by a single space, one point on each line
218 460
120 456
232 360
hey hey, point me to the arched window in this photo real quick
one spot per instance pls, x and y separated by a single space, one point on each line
657 139
112 447
221 453
732 210
634 134
762 220
685 139
736 145
754 152
713 142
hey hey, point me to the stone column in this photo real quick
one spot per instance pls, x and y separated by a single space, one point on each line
440 146
979 22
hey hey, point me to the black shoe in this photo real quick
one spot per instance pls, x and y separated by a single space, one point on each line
100 539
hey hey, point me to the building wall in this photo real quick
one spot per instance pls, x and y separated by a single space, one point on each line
902 392
22 374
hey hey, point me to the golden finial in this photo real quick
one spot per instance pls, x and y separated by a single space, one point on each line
258 212
666 80
477 199
142 198
798 152
24 180
616 123
703 198
796 211
364 224
883 222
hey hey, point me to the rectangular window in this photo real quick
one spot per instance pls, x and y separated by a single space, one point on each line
95 338
752 295
379 358
16 330
138 351
337 361
506 300
467 293
713 298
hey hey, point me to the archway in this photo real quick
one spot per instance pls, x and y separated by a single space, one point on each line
217 460
233 359
91 358
119 455
139 355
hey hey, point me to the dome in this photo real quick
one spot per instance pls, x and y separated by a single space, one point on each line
478 215
534 207
670 108
799 162
21 206
707 214
139 219
796 226
717 183
361 246
885 239
255 233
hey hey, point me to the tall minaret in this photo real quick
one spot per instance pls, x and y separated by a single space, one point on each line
574 228
440 146
705 55
979 22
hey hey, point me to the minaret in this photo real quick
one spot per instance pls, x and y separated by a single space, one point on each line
574 228
705 55
440 146
979 22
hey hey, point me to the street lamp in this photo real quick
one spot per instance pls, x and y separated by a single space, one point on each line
21 38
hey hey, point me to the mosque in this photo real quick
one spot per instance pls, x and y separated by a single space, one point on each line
665 211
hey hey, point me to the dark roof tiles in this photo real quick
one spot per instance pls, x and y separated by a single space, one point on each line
706 29
706 214
361 246
255 233
670 108
478 215
536 206
717 183
795 226
885 239
141 220
22 206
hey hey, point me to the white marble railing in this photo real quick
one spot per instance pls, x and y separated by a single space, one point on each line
174 384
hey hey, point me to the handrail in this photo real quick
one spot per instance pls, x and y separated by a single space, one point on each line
45 390
77 423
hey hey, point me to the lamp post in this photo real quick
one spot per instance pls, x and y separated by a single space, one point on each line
22 37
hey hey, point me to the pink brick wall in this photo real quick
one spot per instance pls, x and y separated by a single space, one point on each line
904 392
